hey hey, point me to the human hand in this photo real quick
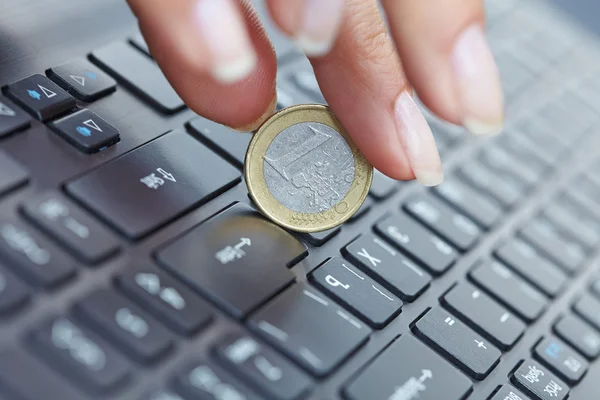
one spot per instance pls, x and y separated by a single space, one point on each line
217 57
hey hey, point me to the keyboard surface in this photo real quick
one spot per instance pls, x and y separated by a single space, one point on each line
133 265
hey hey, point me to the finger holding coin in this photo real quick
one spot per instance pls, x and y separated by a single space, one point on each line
304 172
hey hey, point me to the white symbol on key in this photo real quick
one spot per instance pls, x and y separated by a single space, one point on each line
364 253
90 123
47 92
131 323
480 344
449 321
396 234
412 387
232 253
334 282
167 175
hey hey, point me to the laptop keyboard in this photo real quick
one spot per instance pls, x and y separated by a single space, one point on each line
140 270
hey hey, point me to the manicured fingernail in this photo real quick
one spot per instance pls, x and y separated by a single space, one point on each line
319 25
479 88
418 142
224 32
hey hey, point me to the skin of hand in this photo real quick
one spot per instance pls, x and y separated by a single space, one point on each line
217 56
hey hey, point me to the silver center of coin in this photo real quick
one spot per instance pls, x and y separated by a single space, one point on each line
309 167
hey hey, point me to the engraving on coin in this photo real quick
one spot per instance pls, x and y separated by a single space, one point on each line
309 168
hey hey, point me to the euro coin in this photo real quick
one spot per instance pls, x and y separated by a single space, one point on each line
304 172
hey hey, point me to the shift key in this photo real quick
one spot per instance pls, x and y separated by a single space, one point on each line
168 176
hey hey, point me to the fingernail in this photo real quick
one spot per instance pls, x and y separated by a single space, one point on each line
224 32
318 26
479 88
418 142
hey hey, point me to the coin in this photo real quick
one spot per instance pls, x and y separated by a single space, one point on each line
304 172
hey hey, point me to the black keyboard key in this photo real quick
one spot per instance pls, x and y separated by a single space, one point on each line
126 325
202 380
424 375
169 176
524 260
502 284
479 208
561 359
566 253
320 238
382 186
13 174
82 235
140 74
503 189
263 368
12 118
32 256
417 241
588 308
356 291
539 382
13 293
80 355
451 225
583 230
580 335
26 378
457 341
86 131
235 246
483 314
508 392
40 96
166 298
387 266
289 322
82 79
229 144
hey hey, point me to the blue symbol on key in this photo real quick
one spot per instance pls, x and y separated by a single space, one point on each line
34 94
83 131
91 75
553 350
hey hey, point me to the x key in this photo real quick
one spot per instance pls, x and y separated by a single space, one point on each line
387 266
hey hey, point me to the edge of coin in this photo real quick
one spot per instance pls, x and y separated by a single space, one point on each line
249 167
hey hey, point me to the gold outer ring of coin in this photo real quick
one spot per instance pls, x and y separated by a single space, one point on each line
271 207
